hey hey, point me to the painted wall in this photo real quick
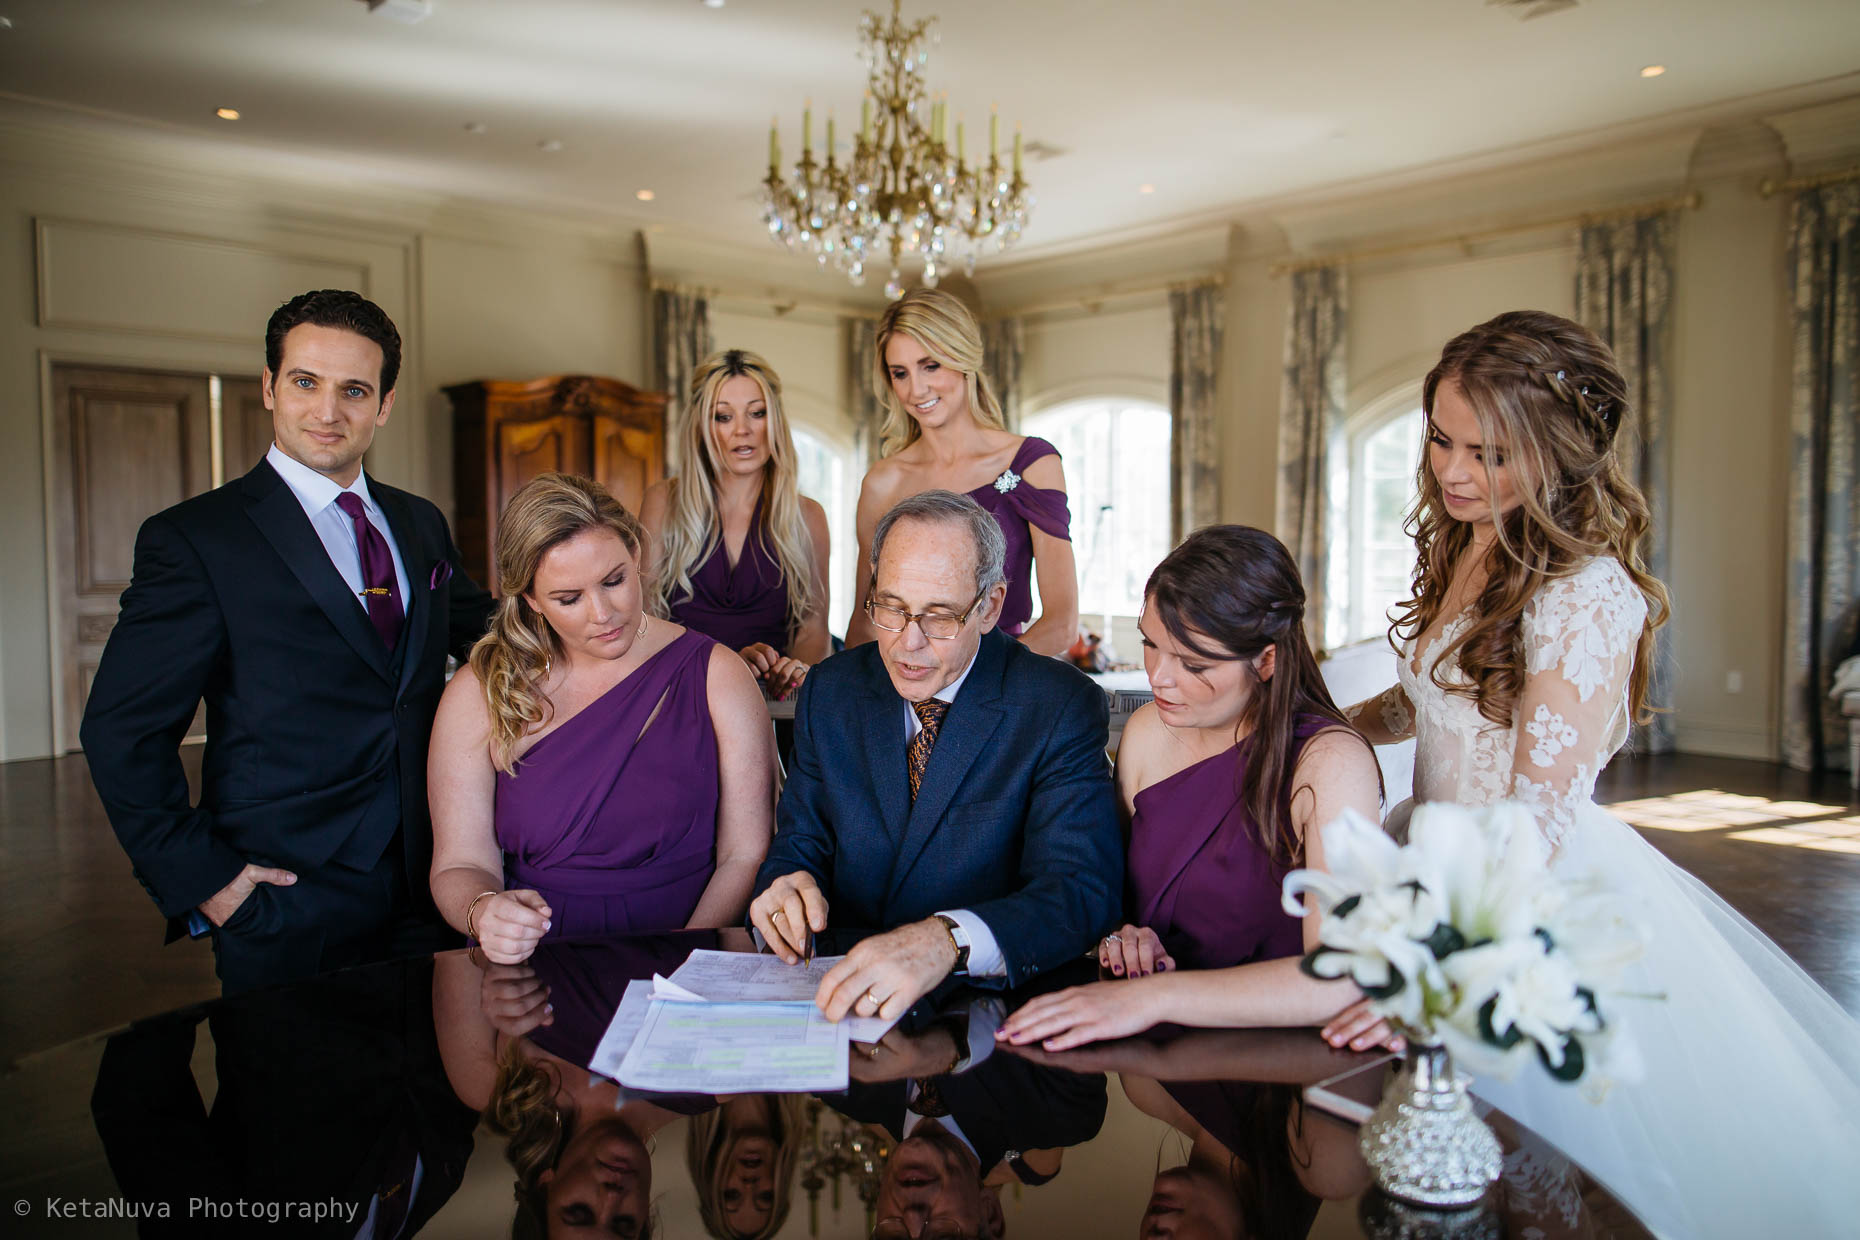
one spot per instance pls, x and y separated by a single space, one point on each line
130 253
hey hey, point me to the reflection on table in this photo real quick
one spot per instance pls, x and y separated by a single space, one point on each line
451 1095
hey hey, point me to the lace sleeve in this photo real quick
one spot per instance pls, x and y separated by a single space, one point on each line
1579 635
1385 718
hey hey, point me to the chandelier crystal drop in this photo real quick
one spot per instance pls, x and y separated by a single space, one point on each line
905 194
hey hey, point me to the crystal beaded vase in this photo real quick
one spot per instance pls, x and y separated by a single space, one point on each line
1424 1144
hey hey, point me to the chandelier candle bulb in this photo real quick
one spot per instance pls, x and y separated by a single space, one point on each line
1017 152
994 132
774 148
865 117
829 136
959 141
807 129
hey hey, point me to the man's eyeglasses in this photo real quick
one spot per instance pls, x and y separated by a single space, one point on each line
940 625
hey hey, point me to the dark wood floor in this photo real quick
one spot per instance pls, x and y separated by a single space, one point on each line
84 945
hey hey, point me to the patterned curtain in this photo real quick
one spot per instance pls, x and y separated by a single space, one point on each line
1624 286
1003 343
861 367
1823 584
680 340
1311 415
1197 317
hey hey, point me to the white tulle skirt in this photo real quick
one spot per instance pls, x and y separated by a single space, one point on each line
1746 1122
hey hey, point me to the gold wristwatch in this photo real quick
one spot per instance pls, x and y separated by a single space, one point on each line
958 939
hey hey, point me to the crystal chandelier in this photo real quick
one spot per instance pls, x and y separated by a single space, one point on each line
905 191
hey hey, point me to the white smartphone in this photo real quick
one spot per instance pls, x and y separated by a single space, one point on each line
1353 1095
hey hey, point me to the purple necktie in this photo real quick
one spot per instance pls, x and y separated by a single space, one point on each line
380 587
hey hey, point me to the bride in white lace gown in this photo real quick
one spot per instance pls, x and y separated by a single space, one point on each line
1523 664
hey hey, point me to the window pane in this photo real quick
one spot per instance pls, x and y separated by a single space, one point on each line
1116 457
821 471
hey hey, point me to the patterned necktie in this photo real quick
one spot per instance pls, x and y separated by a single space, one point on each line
917 757
381 589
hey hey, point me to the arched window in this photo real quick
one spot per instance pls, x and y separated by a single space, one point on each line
823 470
1116 454
1372 559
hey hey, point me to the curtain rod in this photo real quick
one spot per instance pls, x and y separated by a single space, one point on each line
779 304
1093 301
1684 202
1770 186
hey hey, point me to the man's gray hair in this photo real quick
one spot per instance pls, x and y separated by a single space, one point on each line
949 508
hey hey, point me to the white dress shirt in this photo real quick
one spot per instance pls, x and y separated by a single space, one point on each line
985 958
318 495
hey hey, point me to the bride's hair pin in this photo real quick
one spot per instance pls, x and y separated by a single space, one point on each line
1599 410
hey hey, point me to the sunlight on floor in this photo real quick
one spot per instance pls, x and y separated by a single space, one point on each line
1795 824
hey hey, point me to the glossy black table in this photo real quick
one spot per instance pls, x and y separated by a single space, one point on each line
449 1097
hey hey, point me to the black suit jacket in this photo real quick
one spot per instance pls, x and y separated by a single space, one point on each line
326 1091
1015 820
315 732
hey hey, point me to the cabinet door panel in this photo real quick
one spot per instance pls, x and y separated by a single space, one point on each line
627 458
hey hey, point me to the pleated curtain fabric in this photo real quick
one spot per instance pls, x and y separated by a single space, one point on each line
1821 606
862 390
1624 289
680 340
1311 417
1003 344
1197 322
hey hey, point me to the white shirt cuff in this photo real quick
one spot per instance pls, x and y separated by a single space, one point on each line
985 959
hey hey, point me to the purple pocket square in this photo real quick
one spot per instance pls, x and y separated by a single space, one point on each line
442 573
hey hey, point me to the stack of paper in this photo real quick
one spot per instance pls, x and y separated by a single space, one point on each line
730 1022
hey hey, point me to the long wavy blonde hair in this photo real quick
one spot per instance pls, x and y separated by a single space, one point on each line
512 659
943 327
692 527
708 1142
1548 390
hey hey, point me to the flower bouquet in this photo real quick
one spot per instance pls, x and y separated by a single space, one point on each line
1466 941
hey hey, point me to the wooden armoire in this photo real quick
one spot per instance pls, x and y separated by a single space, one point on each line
506 433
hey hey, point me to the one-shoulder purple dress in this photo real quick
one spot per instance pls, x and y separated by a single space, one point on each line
742 605
615 826
1197 873
1017 506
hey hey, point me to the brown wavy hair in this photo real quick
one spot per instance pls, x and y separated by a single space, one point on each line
1227 593
512 659
1550 392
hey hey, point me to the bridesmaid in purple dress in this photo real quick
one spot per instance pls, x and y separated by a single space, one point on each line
593 770
944 431
739 554
1225 780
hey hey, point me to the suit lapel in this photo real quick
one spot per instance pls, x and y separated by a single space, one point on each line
419 603
274 509
968 730
884 750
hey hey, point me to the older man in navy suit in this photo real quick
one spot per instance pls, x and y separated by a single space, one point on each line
949 785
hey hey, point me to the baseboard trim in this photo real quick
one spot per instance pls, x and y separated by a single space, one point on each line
1725 738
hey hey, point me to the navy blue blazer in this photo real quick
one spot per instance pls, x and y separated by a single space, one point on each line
316 734
1015 821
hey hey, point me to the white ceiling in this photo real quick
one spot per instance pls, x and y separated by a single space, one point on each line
1217 104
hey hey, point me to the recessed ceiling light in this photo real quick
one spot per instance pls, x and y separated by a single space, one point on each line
1146 189
6 23
549 144
477 127
645 195
713 4
227 114
1652 70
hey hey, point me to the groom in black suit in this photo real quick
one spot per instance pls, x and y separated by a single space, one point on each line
312 608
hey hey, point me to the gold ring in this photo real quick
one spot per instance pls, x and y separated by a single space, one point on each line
778 913
876 1001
